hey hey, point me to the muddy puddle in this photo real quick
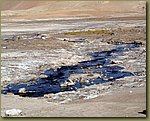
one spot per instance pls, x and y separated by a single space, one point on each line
100 69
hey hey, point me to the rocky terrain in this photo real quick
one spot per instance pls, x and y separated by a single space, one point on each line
73 63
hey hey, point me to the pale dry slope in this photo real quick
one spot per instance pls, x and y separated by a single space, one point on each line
45 9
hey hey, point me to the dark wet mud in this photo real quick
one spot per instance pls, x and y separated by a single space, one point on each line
57 80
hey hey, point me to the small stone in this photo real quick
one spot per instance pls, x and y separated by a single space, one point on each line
65 101
116 62
63 85
13 112
22 90
112 62
90 97
131 91
65 39
4 47
43 37
43 76
111 78
68 83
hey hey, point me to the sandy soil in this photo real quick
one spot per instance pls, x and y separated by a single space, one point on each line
119 103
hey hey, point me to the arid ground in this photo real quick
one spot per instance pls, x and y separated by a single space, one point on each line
73 59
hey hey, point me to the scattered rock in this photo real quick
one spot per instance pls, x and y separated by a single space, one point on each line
15 38
13 112
65 101
40 36
84 77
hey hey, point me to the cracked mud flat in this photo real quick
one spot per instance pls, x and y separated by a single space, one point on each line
81 71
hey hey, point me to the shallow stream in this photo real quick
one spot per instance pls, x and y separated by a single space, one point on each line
101 63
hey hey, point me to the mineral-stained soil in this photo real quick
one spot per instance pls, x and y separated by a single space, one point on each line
78 74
